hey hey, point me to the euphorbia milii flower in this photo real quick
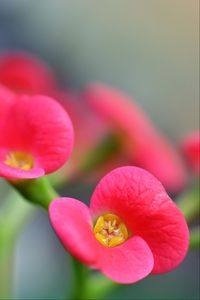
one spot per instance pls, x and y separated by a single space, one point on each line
36 136
140 140
26 74
131 229
191 150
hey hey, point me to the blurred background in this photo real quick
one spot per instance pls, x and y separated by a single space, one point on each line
149 49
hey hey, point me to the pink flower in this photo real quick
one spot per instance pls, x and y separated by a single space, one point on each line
141 141
131 229
36 135
191 150
26 74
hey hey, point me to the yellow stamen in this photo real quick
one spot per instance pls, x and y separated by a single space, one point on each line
99 224
110 227
116 240
20 160
110 231
124 230
101 238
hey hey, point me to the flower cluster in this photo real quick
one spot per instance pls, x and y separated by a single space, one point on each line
132 227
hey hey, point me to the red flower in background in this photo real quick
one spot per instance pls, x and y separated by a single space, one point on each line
141 141
36 135
191 150
26 74
131 229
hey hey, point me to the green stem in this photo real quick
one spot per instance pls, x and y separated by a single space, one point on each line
195 238
98 286
189 203
87 285
38 191
12 218
80 277
6 256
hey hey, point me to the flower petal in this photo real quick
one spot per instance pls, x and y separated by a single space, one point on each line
166 232
127 263
71 221
12 172
142 203
129 192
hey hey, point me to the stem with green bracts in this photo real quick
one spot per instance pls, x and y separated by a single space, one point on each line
38 191
195 238
189 203
13 215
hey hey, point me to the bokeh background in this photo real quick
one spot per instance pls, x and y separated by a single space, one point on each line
148 48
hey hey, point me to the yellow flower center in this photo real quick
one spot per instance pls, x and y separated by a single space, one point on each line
110 231
20 160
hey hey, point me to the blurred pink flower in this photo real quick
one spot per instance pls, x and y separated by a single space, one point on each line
24 73
191 150
36 135
142 142
131 229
